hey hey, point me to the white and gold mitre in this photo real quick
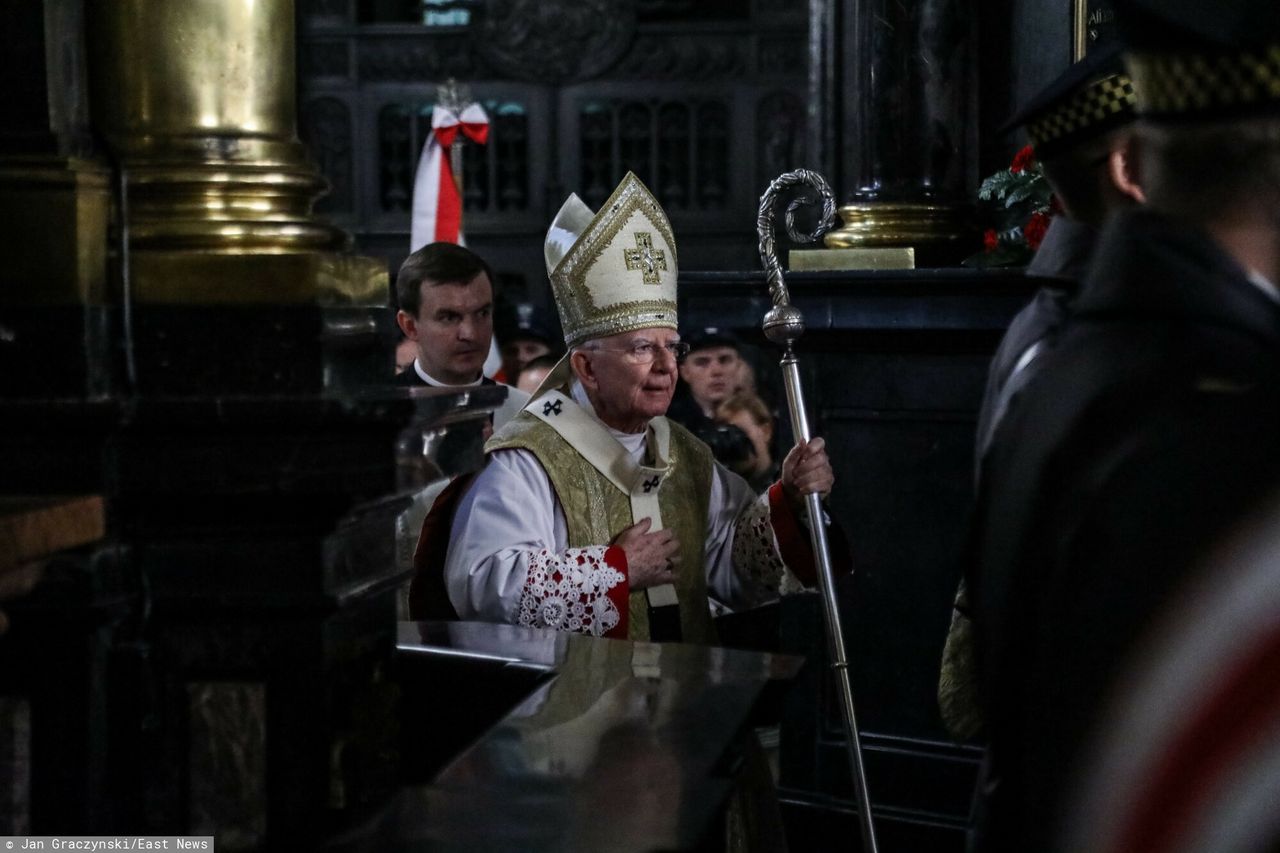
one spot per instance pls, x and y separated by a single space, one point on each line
612 271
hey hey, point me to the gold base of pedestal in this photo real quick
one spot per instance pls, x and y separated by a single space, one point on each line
928 228
53 231
200 278
54 215
879 258
254 206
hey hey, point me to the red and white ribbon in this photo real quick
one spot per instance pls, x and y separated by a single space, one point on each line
437 204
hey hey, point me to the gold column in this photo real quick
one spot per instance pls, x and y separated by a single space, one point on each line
196 101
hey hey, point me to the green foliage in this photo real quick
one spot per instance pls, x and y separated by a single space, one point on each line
1007 202
999 185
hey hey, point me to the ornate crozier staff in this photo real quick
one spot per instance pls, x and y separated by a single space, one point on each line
784 325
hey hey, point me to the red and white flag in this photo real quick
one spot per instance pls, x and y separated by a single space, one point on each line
437 203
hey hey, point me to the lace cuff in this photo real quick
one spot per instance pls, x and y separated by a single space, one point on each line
755 553
576 590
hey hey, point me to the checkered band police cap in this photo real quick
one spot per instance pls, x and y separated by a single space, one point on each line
1099 106
1207 84
1087 100
1199 61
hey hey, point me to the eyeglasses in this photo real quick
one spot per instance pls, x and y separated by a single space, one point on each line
644 352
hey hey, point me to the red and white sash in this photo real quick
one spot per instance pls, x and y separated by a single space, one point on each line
437 204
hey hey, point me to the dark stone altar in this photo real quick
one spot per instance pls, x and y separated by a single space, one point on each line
598 745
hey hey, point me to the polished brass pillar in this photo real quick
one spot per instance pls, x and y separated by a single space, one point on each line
196 103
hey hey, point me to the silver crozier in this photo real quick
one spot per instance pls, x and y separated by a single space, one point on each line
783 325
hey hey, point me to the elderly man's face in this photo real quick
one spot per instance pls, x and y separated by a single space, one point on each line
630 377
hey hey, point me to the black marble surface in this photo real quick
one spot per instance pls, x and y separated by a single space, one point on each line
619 745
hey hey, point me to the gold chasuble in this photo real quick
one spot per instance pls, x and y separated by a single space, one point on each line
603 491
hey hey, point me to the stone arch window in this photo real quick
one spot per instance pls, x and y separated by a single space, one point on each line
679 148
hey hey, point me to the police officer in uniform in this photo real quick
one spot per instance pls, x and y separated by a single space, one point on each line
1079 128
1153 425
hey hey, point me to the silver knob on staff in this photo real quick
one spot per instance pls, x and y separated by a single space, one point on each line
784 324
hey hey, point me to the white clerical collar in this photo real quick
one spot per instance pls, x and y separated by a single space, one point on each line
431 380
1266 285
632 441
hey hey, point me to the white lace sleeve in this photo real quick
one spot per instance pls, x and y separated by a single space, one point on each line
569 591
509 559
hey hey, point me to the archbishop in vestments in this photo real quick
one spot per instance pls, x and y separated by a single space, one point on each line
596 514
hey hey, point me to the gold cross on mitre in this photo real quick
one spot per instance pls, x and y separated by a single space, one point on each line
645 258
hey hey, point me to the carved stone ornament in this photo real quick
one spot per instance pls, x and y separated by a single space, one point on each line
552 42
415 58
686 56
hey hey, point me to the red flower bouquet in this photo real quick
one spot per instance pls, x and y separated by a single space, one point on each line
1023 160
1016 205
1033 231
